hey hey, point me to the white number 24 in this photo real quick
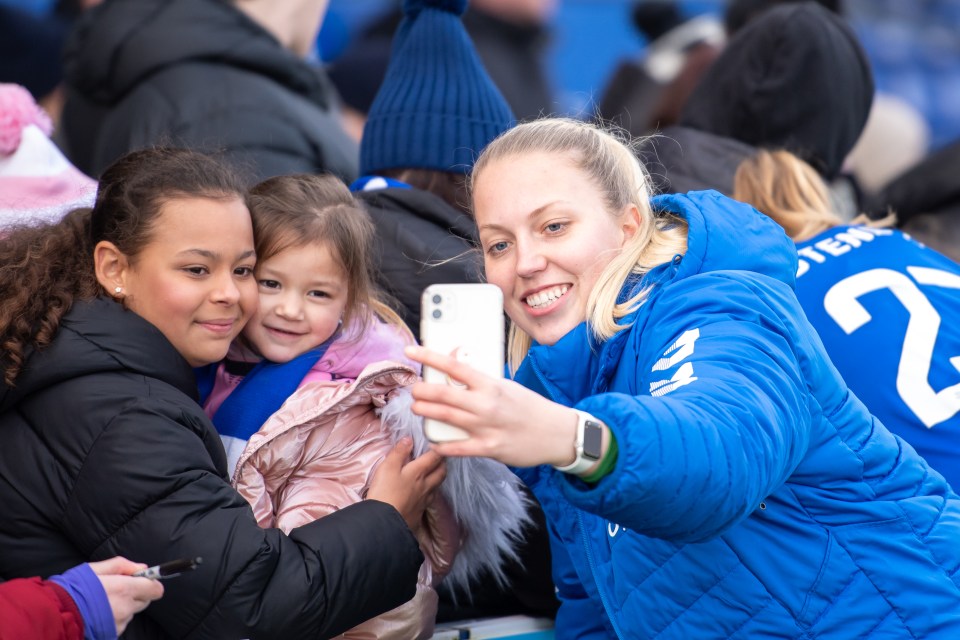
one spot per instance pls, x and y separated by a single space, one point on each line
841 302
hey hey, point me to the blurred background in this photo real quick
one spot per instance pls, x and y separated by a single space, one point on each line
913 44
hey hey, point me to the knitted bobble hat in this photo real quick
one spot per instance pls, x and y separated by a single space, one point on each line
37 183
437 107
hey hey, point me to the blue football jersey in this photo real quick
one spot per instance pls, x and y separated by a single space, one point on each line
888 311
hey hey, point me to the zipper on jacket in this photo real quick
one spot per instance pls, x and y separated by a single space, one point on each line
583 533
593 574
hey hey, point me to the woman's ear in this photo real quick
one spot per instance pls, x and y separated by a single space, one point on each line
111 266
630 222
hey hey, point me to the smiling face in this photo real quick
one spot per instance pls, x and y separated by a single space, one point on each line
546 235
303 293
194 279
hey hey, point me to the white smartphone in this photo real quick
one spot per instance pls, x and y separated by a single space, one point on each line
466 321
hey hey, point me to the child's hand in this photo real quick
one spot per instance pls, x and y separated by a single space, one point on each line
505 420
407 485
127 595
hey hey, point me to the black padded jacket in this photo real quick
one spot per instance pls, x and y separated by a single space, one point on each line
421 240
199 74
105 451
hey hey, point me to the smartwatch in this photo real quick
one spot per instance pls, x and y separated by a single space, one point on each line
588 446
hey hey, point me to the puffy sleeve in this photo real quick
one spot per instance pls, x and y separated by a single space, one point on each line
150 491
35 608
715 416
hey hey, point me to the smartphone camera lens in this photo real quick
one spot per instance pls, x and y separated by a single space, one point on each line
437 299
437 313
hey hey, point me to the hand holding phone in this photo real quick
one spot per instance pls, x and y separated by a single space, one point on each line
465 321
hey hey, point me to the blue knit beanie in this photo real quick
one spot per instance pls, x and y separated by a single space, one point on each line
437 108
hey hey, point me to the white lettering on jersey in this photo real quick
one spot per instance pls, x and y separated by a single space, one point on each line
842 303
831 246
837 245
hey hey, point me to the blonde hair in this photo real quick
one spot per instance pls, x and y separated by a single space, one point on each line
607 157
300 210
787 189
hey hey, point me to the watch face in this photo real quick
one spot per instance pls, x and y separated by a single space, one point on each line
592 440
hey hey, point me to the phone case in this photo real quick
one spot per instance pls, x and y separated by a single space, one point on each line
465 320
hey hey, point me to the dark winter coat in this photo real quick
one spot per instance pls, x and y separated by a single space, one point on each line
926 199
421 240
201 74
514 56
107 452
684 159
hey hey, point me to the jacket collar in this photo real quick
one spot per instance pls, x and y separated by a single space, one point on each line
547 368
723 234
99 336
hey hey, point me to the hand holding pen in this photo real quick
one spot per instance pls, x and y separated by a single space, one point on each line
169 569
127 595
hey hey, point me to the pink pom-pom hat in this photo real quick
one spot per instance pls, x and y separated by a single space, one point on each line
37 183
17 110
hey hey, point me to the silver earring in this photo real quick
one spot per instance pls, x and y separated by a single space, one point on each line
118 290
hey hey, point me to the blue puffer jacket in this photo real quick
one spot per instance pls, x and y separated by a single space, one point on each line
754 496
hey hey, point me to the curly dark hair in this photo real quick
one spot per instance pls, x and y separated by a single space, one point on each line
45 269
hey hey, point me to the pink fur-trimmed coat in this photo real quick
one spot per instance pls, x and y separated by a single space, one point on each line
318 452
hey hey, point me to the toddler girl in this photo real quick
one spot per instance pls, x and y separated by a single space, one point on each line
314 394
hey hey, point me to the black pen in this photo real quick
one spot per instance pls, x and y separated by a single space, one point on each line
169 569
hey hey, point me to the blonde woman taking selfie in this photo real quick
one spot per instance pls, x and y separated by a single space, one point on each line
704 469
